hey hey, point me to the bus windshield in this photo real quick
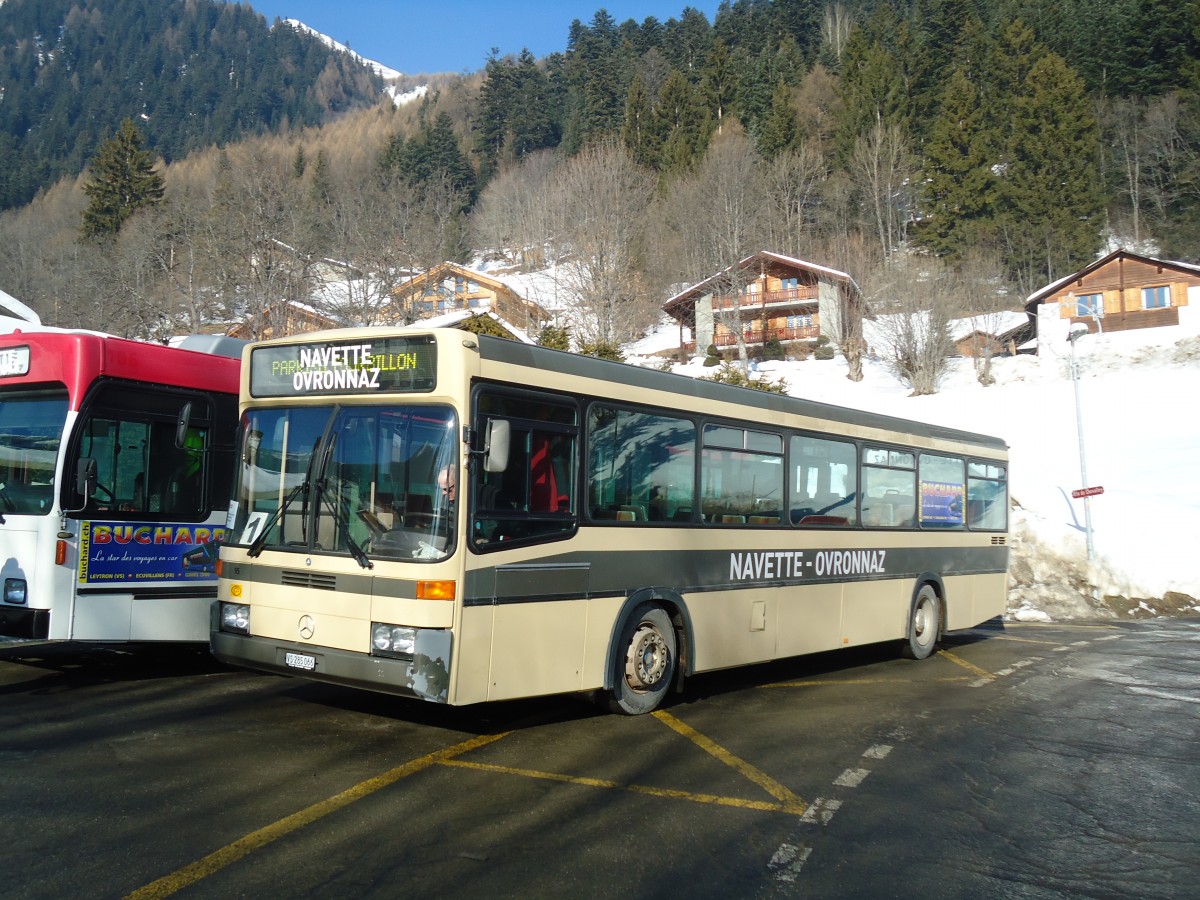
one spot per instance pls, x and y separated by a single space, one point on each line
372 481
31 428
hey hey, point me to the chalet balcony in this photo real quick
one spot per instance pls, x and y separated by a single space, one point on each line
797 296
783 335
725 340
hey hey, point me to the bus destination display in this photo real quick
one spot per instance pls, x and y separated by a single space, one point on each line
401 364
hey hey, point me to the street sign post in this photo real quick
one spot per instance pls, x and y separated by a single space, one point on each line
1087 492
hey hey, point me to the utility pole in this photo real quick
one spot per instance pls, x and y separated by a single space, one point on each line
1078 331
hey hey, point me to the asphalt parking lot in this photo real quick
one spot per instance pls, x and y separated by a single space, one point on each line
1019 760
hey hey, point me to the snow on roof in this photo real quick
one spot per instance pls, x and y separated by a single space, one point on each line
15 309
452 319
834 274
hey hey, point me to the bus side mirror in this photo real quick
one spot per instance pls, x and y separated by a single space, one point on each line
495 448
85 478
182 425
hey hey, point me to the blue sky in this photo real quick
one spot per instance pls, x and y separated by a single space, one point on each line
457 35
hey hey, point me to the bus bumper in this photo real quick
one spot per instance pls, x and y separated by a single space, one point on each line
426 676
24 623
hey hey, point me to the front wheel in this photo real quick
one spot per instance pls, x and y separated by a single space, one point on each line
924 623
645 664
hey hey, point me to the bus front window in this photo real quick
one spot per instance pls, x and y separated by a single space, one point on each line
31 428
364 480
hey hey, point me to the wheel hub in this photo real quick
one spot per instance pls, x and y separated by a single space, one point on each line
646 660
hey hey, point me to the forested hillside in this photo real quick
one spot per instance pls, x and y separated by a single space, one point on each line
191 73
969 148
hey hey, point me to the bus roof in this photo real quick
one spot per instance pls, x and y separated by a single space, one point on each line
685 386
77 358
681 386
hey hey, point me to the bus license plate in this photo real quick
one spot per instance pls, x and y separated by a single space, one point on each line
300 661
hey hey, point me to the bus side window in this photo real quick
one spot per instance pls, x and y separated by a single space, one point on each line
534 497
640 466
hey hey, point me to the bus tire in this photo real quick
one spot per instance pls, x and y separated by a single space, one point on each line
644 665
924 624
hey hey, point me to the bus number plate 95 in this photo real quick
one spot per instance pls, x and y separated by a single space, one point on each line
300 661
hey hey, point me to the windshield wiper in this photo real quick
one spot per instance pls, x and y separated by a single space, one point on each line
257 545
341 519
340 511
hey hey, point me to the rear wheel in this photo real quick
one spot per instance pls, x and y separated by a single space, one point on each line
924 623
645 664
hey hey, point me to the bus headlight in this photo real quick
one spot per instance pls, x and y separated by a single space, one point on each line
392 640
16 590
235 617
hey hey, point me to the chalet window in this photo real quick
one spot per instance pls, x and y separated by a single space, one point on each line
1158 297
1089 305
789 284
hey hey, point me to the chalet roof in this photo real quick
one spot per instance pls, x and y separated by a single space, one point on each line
823 273
456 318
1049 290
996 325
448 269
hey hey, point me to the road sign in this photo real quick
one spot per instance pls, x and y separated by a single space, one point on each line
1087 492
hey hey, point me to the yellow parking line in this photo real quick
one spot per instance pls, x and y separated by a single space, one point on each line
231 853
970 667
667 793
832 682
763 780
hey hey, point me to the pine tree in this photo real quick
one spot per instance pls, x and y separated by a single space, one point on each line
123 180
801 20
680 126
536 118
718 84
1052 203
638 133
959 184
780 130
495 111
874 86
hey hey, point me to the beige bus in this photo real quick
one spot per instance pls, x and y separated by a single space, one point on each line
463 519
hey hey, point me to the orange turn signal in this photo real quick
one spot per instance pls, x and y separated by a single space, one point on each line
437 590
60 553
218 567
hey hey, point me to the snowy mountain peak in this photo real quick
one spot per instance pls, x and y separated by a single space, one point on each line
387 74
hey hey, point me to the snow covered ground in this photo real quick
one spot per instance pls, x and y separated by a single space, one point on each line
1138 393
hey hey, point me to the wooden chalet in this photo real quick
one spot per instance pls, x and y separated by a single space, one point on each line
486 322
991 334
1118 292
449 287
283 319
768 296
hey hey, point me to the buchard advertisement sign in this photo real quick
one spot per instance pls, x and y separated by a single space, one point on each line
941 502
126 553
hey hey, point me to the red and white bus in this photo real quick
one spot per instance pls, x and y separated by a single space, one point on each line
116 458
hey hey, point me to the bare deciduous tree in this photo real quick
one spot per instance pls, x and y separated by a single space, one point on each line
599 204
988 300
513 215
259 242
882 159
793 180
719 215
917 298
